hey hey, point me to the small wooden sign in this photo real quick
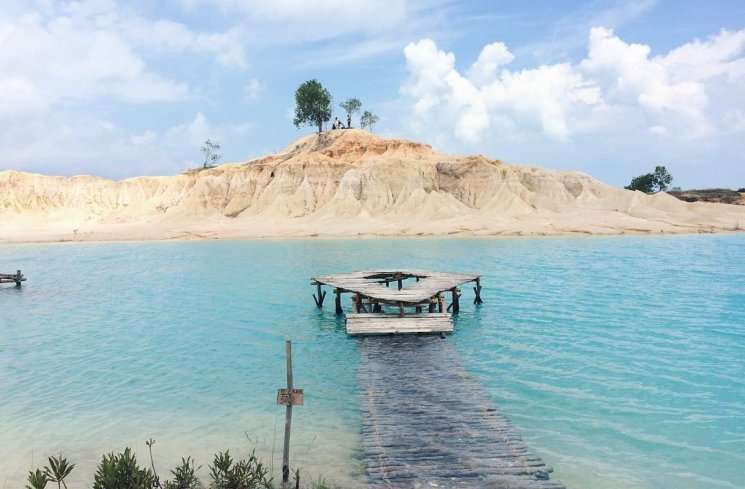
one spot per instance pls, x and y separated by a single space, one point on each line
286 397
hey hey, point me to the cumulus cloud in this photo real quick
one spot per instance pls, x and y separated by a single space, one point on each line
547 96
62 53
616 78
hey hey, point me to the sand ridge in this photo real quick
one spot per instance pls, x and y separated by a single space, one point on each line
344 183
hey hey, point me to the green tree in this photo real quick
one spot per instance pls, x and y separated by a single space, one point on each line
211 152
368 120
350 106
57 470
651 183
312 105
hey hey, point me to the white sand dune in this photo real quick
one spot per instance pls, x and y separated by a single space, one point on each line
344 183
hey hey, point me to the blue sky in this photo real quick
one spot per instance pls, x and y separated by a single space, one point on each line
611 88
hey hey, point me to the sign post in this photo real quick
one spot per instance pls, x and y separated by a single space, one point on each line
288 397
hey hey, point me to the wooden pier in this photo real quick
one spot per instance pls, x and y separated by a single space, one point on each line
17 278
427 423
398 301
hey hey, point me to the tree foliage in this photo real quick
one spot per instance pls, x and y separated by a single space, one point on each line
351 106
58 470
312 105
368 120
36 479
650 183
227 473
211 151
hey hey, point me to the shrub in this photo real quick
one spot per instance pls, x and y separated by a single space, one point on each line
36 479
242 474
184 476
121 471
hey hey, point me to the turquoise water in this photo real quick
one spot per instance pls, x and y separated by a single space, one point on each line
622 360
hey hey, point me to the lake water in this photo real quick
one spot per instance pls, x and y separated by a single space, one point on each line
622 359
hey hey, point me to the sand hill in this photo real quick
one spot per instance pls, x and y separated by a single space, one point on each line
344 183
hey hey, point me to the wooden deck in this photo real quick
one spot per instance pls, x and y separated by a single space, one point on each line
427 423
372 284
8 278
377 324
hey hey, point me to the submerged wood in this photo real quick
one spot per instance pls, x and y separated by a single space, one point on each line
427 423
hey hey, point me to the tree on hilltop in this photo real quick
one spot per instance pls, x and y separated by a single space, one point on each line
350 106
368 120
651 183
312 105
211 152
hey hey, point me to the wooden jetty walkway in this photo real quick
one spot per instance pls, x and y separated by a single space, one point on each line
427 423
17 278
372 294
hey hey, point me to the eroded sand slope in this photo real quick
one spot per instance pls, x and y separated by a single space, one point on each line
344 183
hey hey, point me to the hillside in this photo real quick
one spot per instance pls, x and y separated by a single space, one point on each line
344 183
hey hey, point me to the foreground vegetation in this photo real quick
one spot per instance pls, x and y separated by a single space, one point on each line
122 471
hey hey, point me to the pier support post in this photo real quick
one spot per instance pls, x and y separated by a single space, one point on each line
358 303
288 417
338 301
432 306
455 302
19 277
440 303
401 309
477 291
319 296
400 284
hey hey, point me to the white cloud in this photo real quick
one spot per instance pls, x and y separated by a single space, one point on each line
80 143
492 56
43 63
617 83
548 96
252 89
335 14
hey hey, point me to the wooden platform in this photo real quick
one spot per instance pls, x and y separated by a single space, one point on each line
376 323
8 278
426 423
372 284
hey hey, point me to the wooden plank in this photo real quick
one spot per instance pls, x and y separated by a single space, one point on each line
370 324
427 423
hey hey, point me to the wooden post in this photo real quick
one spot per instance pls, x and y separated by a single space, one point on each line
338 301
432 306
288 417
477 291
319 296
440 306
456 303
358 303
401 309
418 309
19 276
400 284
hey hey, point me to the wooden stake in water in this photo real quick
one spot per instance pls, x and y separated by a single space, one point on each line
288 397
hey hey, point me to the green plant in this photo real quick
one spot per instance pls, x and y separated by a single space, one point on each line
242 474
651 182
36 479
121 471
351 106
368 120
312 105
211 152
184 476
57 470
